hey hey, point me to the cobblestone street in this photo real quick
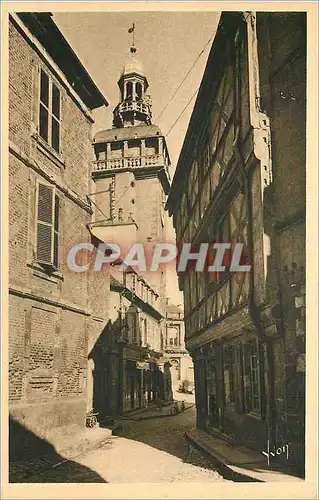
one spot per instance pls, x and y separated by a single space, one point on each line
146 451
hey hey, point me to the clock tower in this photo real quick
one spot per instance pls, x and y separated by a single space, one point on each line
131 171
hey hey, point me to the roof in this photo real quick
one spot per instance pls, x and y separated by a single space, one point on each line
133 65
126 133
117 286
42 26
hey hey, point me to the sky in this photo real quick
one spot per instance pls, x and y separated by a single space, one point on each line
167 44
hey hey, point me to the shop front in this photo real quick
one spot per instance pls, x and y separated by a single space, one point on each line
232 391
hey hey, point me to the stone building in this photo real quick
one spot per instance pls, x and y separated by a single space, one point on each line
130 181
126 358
182 369
241 178
51 97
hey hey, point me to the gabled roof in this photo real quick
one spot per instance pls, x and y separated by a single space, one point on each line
42 26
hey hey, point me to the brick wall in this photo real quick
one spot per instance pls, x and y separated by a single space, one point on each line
18 220
16 348
20 89
48 316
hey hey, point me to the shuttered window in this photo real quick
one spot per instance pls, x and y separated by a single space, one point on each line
49 111
252 377
48 213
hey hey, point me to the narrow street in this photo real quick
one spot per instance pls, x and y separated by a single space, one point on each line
152 450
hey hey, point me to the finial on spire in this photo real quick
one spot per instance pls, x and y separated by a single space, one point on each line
132 30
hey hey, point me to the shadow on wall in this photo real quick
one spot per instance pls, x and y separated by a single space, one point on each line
30 456
105 355
108 372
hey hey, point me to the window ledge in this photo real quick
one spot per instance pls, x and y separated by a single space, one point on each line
50 275
47 150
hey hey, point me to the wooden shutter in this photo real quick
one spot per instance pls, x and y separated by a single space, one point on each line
45 223
56 229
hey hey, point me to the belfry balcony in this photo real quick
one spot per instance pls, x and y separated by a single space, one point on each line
138 106
154 160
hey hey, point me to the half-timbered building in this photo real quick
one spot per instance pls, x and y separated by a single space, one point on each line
240 178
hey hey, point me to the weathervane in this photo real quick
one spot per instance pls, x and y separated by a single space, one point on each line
132 30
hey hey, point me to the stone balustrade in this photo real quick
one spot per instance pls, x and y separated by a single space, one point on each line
128 162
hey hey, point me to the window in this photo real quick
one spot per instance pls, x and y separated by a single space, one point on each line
48 212
254 382
252 378
229 375
172 338
49 112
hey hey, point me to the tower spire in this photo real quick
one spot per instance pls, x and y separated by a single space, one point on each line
135 105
